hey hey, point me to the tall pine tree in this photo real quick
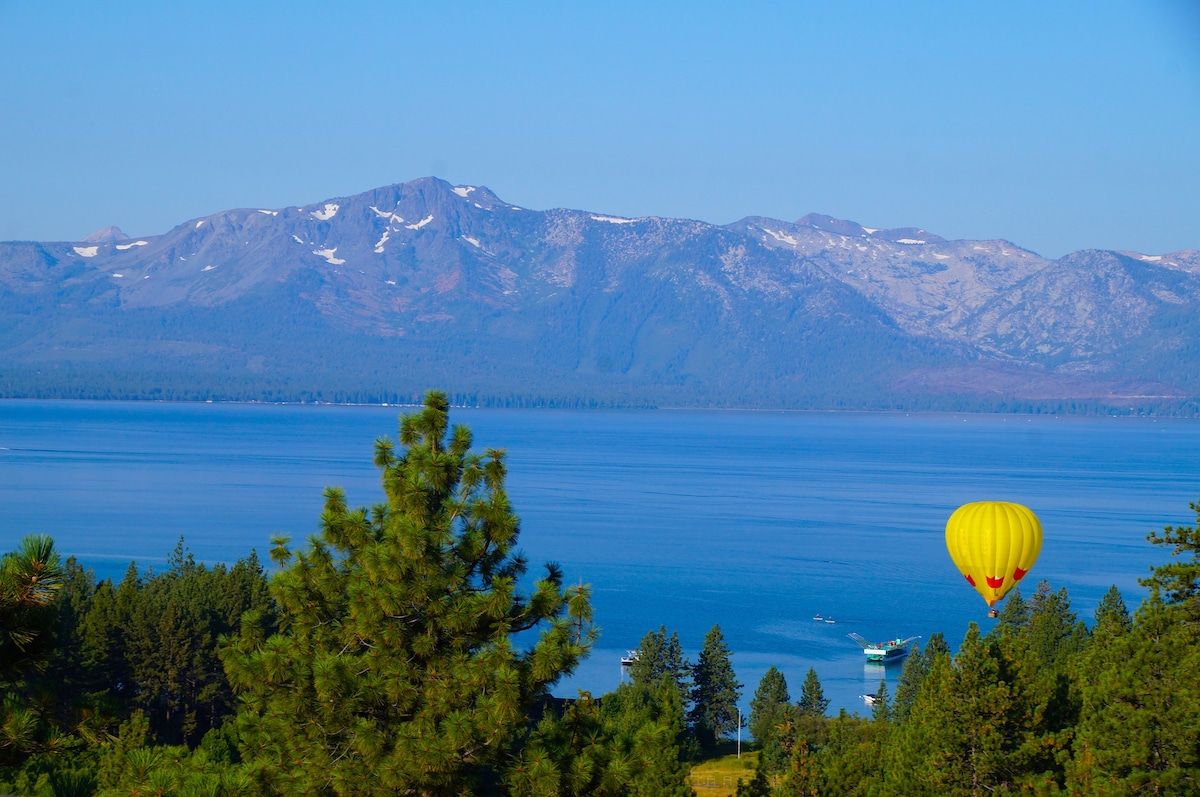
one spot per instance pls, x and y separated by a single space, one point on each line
770 709
396 668
1112 616
811 725
715 691
812 696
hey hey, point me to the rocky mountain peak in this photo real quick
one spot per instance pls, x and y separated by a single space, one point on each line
819 221
108 235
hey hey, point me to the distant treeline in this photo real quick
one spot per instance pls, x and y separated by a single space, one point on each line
74 384
382 657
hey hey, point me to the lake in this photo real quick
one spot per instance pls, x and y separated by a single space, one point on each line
754 521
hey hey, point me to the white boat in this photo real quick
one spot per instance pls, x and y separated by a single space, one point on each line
818 617
629 658
830 620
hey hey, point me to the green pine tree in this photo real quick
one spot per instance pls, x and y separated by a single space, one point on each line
30 578
812 696
1178 581
660 655
915 668
647 727
850 762
396 668
881 709
961 729
770 708
715 692
1053 631
71 605
937 645
1137 732
1112 616
1015 613
811 722
103 661
571 753
914 762
151 644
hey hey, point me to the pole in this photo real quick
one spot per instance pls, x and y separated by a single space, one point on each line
739 733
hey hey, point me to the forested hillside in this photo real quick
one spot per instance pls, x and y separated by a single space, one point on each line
404 650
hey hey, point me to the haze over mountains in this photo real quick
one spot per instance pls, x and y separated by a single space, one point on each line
382 295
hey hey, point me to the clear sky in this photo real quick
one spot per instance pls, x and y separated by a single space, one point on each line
1056 125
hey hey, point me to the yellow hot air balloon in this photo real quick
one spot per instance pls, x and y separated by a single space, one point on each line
994 544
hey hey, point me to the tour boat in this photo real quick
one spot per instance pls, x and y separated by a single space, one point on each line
884 652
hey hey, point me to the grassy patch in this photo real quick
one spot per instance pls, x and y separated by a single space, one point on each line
717 775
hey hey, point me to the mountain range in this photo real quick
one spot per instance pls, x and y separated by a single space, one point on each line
379 296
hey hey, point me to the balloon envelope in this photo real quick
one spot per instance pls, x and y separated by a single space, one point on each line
994 544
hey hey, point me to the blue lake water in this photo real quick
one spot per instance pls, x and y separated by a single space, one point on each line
751 520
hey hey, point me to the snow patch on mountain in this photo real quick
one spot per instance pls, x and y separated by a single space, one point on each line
270 212
420 223
200 224
131 245
86 251
464 190
473 241
781 237
208 268
379 244
330 210
383 214
328 254
613 219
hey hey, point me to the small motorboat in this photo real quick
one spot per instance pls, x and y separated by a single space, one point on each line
830 620
818 617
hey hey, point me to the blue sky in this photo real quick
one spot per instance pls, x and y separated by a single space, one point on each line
1059 126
